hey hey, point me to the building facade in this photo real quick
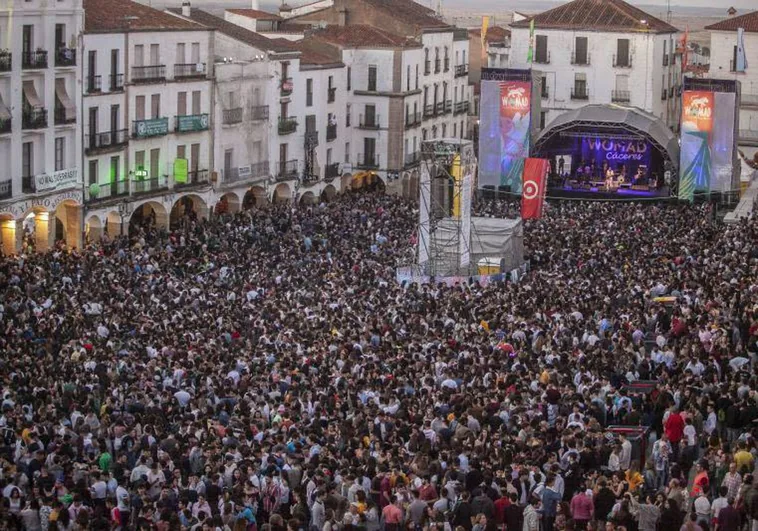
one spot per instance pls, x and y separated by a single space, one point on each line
724 65
40 124
148 149
601 53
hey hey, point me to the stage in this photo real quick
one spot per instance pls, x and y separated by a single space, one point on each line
622 194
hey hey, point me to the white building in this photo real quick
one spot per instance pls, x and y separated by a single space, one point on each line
498 47
40 123
148 116
592 52
723 65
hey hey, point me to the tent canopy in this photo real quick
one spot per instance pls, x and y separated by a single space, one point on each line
591 118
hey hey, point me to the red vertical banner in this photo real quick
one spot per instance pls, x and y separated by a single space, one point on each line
533 188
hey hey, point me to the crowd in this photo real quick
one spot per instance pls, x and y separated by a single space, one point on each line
264 371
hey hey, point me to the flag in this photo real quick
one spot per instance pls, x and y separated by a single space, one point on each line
685 38
530 54
741 56
485 26
533 188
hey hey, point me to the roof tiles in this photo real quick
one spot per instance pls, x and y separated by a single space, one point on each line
121 15
749 22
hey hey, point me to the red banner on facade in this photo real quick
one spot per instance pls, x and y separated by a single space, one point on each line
533 188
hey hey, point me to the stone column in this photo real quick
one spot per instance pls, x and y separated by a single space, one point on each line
42 234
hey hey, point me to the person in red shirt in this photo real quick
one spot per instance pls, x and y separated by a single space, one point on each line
501 504
674 428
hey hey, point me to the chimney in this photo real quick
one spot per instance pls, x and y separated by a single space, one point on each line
254 5
186 8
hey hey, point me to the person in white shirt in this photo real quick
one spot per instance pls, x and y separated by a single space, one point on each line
719 503
625 456
613 460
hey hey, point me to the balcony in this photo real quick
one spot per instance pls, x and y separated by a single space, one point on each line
664 94
748 101
5 126
427 68
671 92
191 123
580 93
65 57
446 67
311 139
5 61
246 173
117 82
27 184
369 161
34 118
437 66
287 125
189 70
286 170
60 117
331 132
31 60
231 116
622 61
148 74
580 59
439 108
448 106
259 113
331 95
286 86
621 96
428 111
150 128
542 58
109 140
6 189
412 120
411 159
107 191
665 59
194 178
93 85
370 121
461 70
461 107
332 171
147 186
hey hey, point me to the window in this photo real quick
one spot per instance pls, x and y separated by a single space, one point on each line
115 175
195 160
347 115
665 54
369 151
328 156
282 156
27 39
60 153
622 53
436 60
310 123
27 159
181 151
309 92
181 104
580 86
372 78
60 36
139 110
416 77
155 163
347 152
139 55
155 106
115 115
139 160
91 69
92 176
580 51
114 67
195 102
543 115
444 130
284 110
228 155
349 78
733 66
540 53
93 122
423 134
195 53
408 78
455 129
155 55
180 58
370 117
544 91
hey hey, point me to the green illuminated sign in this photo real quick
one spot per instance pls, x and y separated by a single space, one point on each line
180 171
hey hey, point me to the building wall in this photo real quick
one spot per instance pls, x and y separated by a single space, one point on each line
645 79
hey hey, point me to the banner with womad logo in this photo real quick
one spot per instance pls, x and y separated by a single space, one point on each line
695 151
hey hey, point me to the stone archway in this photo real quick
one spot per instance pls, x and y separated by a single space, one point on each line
8 231
114 225
255 196
282 193
149 214
93 228
67 223
35 230
329 193
346 182
189 205
228 204
308 198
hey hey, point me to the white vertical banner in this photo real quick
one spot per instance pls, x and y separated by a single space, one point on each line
741 65
425 197
464 241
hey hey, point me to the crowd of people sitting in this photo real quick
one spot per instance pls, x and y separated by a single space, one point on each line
264 370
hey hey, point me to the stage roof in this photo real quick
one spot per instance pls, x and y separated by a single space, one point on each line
592 118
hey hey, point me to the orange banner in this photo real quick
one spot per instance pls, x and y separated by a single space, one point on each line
697 111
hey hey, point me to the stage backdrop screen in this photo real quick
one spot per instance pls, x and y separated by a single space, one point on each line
695 152
504 128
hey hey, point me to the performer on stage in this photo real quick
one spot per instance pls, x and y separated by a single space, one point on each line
609 178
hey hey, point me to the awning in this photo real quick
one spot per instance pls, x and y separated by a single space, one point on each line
4 112
60 92
30 93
